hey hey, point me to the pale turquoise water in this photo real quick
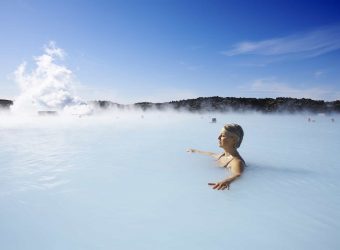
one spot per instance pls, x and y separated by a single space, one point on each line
122 182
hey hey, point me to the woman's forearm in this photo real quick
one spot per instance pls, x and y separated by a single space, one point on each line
203 152
231 178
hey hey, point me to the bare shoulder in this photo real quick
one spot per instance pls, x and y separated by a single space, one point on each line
237 165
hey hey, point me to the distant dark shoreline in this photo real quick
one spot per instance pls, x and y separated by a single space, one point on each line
5 103
224 104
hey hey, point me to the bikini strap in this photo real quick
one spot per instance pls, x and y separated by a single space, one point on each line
220 156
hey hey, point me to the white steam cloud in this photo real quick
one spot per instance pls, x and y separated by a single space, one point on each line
47 87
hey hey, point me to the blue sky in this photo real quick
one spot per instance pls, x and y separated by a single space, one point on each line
131 51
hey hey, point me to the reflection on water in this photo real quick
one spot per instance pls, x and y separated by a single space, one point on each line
107 183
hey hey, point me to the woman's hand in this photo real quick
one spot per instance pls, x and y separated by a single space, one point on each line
221 185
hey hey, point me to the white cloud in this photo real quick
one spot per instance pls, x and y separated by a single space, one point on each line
269 87
306 44
53 51
318 73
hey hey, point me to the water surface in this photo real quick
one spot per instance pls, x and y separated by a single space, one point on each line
123 182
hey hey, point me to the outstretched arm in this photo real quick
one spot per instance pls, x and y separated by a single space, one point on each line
236 172
214 155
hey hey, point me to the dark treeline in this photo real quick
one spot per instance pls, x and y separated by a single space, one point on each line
223 104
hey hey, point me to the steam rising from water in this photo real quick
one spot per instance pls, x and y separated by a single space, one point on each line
131 180
47 87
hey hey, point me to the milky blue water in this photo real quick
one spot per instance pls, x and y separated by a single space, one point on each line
123 182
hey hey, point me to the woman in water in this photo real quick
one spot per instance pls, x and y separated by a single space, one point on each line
229 139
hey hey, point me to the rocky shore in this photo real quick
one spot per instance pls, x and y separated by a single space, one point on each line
224 104
5 103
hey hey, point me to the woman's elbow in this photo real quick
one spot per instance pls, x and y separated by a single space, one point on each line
236 175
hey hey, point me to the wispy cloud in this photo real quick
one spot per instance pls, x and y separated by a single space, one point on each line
318 73
270 87
306 44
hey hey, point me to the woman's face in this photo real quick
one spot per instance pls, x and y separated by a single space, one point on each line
225 139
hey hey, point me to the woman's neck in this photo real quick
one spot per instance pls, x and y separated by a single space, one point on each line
231 151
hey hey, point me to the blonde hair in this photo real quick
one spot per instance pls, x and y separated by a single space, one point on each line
236 130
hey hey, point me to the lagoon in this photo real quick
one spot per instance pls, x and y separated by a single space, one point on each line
123 181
